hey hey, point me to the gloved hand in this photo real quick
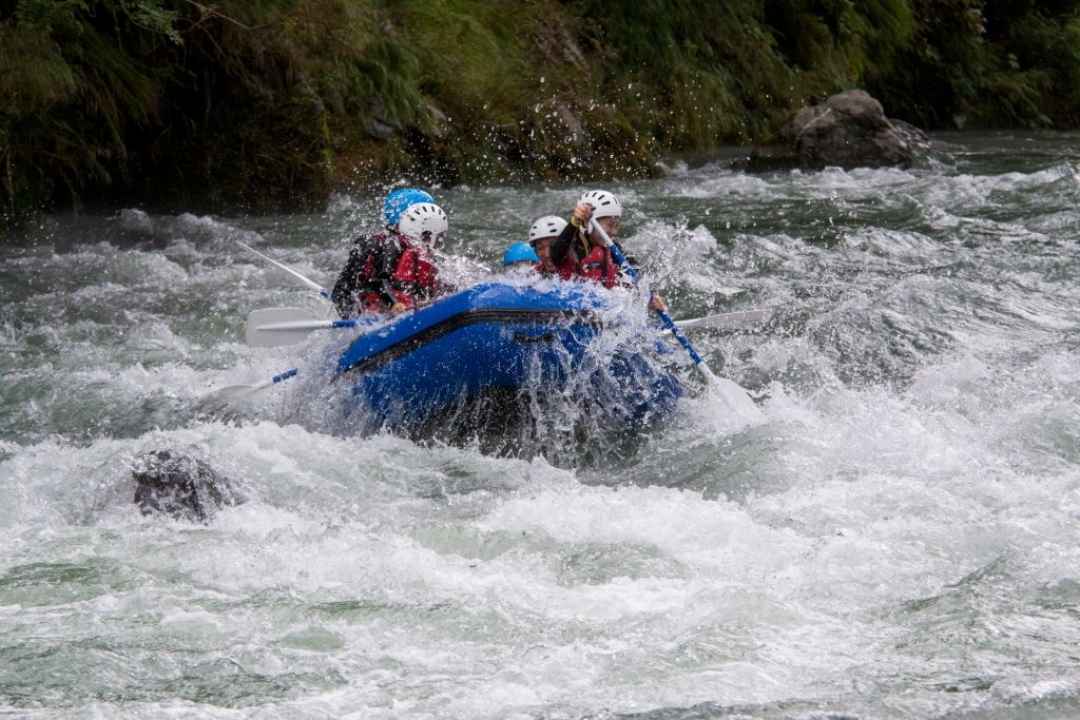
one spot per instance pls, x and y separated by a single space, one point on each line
582 214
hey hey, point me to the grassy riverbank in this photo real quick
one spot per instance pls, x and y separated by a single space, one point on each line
261 104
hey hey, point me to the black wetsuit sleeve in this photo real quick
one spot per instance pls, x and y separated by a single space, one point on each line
366 252
563 244
386 263
344 292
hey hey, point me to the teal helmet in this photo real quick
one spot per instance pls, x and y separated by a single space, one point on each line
400 200
520 252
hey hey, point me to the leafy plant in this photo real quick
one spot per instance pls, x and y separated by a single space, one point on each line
273 103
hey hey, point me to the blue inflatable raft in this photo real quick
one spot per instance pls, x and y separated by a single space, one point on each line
507 340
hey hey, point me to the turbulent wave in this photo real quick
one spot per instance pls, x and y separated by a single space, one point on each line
895 537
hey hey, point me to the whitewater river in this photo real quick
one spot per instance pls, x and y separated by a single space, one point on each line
898 537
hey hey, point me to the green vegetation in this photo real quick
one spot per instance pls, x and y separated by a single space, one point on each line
265 104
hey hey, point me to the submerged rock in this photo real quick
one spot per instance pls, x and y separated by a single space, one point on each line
848 130
180 486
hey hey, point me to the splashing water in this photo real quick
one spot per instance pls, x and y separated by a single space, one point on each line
895 537
610 395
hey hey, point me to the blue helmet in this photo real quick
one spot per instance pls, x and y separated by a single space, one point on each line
520 252
400 200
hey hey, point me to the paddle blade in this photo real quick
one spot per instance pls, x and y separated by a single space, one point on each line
227 403
232 401
257 335
738 399
725 408
228 395
728 321
740 406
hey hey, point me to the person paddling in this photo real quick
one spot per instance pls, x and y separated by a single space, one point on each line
415 279
542 234
381 267
579 252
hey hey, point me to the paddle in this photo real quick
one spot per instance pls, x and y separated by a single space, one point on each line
307 281
275 327
323 292
237 393
732 394
632 272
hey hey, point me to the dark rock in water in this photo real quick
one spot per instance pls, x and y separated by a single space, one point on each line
847 130
183 487
915 137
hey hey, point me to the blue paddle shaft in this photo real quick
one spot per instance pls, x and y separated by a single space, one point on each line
632 273
670 325
283 376
620 260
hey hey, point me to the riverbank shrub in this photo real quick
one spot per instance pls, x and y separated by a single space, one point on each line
263 104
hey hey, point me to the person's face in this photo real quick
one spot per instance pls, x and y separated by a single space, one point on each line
610 225
543 248
432 241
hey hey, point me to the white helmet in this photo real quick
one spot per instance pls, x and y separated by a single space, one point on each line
604 203
545 227
424 222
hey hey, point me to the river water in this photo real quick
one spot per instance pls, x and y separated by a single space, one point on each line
897 537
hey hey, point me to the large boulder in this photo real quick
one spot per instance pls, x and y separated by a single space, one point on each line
180 486
848 130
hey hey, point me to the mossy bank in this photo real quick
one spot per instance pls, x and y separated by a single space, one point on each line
270 104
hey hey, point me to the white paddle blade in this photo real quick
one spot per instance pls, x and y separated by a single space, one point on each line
227 403
737 399
263 326
728 321
229 395
740 410
231 401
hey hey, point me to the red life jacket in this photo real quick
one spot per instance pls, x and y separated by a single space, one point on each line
415 276
382 270
597 265
600 267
